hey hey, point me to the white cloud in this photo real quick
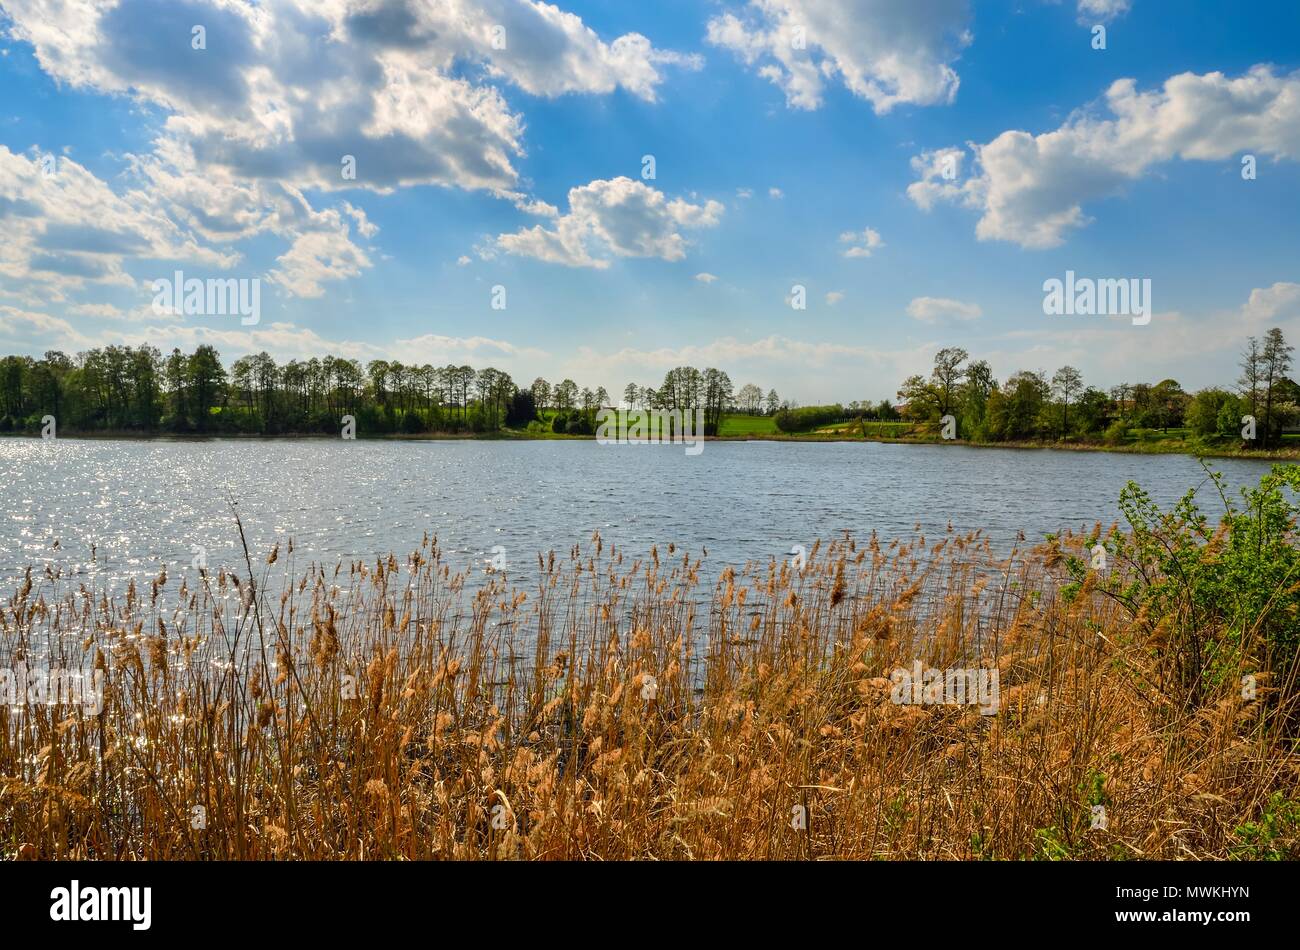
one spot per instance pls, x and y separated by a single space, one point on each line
744 193
834 297
613 218
34 332
285 89
937 169
19 327
549 52
288 95
934 309
439 350
1281 299
884 51
776 193
67 230
1094 11
861 244
1031 189
706 277
105 311
323 253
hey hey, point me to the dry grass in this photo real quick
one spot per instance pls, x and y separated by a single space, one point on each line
496 723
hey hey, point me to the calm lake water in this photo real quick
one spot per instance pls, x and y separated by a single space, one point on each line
146 503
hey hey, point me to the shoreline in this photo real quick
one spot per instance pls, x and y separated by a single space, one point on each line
508 435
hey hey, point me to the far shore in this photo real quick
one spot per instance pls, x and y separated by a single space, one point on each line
1168 447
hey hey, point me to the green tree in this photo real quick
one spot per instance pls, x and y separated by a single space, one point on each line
1276 358
1067 383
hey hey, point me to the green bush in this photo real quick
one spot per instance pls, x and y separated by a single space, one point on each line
809 417
411 422
1274 837
1212 601
579 424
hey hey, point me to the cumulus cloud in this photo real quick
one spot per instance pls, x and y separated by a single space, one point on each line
318 255
285 89
888 52
283 96
934 309
1279 300
706 277
1031 189
614 218
66 229
861 243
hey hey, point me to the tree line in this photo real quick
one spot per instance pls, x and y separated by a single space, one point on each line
1031 406
138 389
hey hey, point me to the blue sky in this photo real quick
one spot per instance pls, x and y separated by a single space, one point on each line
522 167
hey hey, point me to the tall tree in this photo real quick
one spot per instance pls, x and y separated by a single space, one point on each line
1067 383
1121 394
1277 363
206 379
565 394
541 390
1252 372
750 398
947 377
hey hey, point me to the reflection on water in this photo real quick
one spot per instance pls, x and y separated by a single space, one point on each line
140 505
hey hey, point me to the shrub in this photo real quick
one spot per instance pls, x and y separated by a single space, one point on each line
579 424
1211 602
411 422
809 417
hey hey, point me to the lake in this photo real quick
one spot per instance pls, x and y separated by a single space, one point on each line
142 504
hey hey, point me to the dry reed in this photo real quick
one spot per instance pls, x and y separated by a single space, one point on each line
619 708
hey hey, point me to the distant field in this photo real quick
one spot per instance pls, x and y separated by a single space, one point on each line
1158 435
739 424
874 430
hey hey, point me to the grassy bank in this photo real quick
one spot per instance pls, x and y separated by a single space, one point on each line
623 707
742 428
1138 441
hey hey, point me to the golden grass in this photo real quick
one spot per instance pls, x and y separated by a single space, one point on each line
496 723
